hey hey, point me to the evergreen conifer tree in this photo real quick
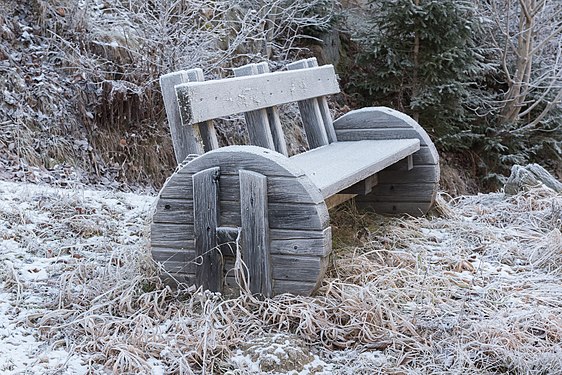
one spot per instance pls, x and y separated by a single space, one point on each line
422 59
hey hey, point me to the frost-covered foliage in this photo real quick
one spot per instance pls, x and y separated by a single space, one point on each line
483 77
82 86
474 290
422 57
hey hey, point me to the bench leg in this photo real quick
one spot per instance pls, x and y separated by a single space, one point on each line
255 231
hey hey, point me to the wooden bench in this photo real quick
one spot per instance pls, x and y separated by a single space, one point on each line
275 207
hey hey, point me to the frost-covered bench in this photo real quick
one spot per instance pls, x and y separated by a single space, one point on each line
274 206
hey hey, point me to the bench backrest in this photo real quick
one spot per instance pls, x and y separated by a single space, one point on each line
191 103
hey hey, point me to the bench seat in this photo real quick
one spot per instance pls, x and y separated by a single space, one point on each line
339 165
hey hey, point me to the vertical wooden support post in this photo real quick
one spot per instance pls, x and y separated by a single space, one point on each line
205 221
274 122
257 121
183 138
311 115
255 231
324 108
206 129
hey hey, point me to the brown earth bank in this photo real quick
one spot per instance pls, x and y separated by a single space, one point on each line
81 101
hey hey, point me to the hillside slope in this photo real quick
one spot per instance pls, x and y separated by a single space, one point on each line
474 289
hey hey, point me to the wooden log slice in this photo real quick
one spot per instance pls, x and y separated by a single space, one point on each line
400 190
299 232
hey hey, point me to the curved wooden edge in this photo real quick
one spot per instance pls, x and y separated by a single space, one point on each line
298 217
400 190
386 119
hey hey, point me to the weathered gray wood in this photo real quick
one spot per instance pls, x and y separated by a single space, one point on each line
385 123
274 121
337 199
255 231
419 174
234 158
382 123
405 192
284 267
207 131
339 165
324 108
281 189
257 121
183 137
310 113
201 101
205 218
362 187
375 134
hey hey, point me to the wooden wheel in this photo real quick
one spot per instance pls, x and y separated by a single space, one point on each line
295 237
399 189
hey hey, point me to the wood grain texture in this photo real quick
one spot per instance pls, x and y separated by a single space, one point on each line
400 189
284 267
372 120
206 129
281 215
281 189
257 121
202 101
183 137
340 165
311 114
274 121
205 218
233 158
298 217
324 108
255 232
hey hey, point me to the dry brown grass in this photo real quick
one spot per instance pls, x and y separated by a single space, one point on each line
474 290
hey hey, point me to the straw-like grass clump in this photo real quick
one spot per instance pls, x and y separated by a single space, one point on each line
474 290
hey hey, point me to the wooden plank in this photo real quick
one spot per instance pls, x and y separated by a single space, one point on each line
371 117
363 187
337 199
305 288
294 274
324 108
205 218
280 189
206 129
379 134
339 165
257 121
292 234
404 192
419 174
290 242
311 114
201 101
303 246
233 158
274 122
298 268
382 123
183 137
280 215
255 232
162 233
424 156
176 261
